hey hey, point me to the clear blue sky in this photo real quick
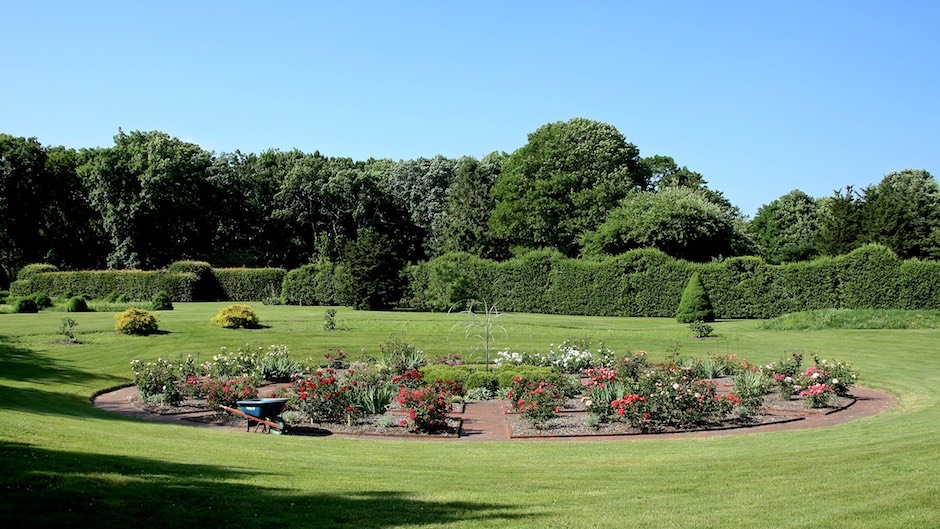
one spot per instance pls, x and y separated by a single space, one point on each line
760 97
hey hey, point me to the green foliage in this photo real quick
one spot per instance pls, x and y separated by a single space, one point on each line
902 212
374 271
134 285
400 356
311 284
681 222
786 229
695 304
4 295
67 329
206 287
481 379
25 306
463 223
236 316
77 304
507 373
329 320
249 284
43 301
840 223
701 329
562 183
135 321
31 270
161 301
446 373
815 320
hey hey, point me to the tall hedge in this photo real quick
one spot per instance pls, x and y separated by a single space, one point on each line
249 284
135 285
650 283
311 284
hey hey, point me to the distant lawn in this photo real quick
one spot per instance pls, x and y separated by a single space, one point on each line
66 464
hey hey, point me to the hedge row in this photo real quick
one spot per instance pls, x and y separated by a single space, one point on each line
650 283
135 285
184 281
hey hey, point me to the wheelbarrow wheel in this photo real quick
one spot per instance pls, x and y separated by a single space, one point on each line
282 429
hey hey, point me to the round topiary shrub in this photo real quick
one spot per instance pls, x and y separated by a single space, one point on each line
161 301
236 316
25 306
135 321
43 301
77 304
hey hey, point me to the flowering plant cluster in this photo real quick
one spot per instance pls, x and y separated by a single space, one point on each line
427 406
567 357
537 400
323 398
817 395
157 380
411 379
833 375
227 392
672 398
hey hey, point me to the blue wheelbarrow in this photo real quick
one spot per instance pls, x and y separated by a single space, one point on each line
261 413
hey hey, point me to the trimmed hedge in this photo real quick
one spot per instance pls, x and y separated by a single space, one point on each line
249 284
312 284
135 285
649 283
31 270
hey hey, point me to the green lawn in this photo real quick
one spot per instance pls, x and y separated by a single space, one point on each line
65 463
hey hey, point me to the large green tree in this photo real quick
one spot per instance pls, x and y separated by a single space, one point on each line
152 194
786 229
562 183
681 222
22 171
902 212
463 224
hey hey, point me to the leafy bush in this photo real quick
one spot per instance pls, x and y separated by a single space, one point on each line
751 386
67 329
373 268
25 306
157 380
311 284
446 373
329 320
235 317
161 301
135 321
695 304
401 356
323 398
77 304
43 301
701 329
481 379
4 295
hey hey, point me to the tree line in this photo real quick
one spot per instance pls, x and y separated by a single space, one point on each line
578 187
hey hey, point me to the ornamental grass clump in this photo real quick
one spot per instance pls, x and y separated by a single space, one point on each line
135 321
236 316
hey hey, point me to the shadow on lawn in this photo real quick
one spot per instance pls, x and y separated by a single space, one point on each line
20 365
44 487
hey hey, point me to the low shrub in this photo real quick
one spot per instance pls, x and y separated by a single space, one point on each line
536 400
401 356
4 296
161 301
447 373
136 321
157 380
427 406
25 306
276 365
481 380
43 301
227 392
323 398
77 304
235 317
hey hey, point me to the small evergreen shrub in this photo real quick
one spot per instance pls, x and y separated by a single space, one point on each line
161 301
135 321
4 295
695 304
236 316
43 301
77 304
481 379
25 306
701 329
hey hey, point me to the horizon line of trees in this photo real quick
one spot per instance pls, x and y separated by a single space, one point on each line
577 186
